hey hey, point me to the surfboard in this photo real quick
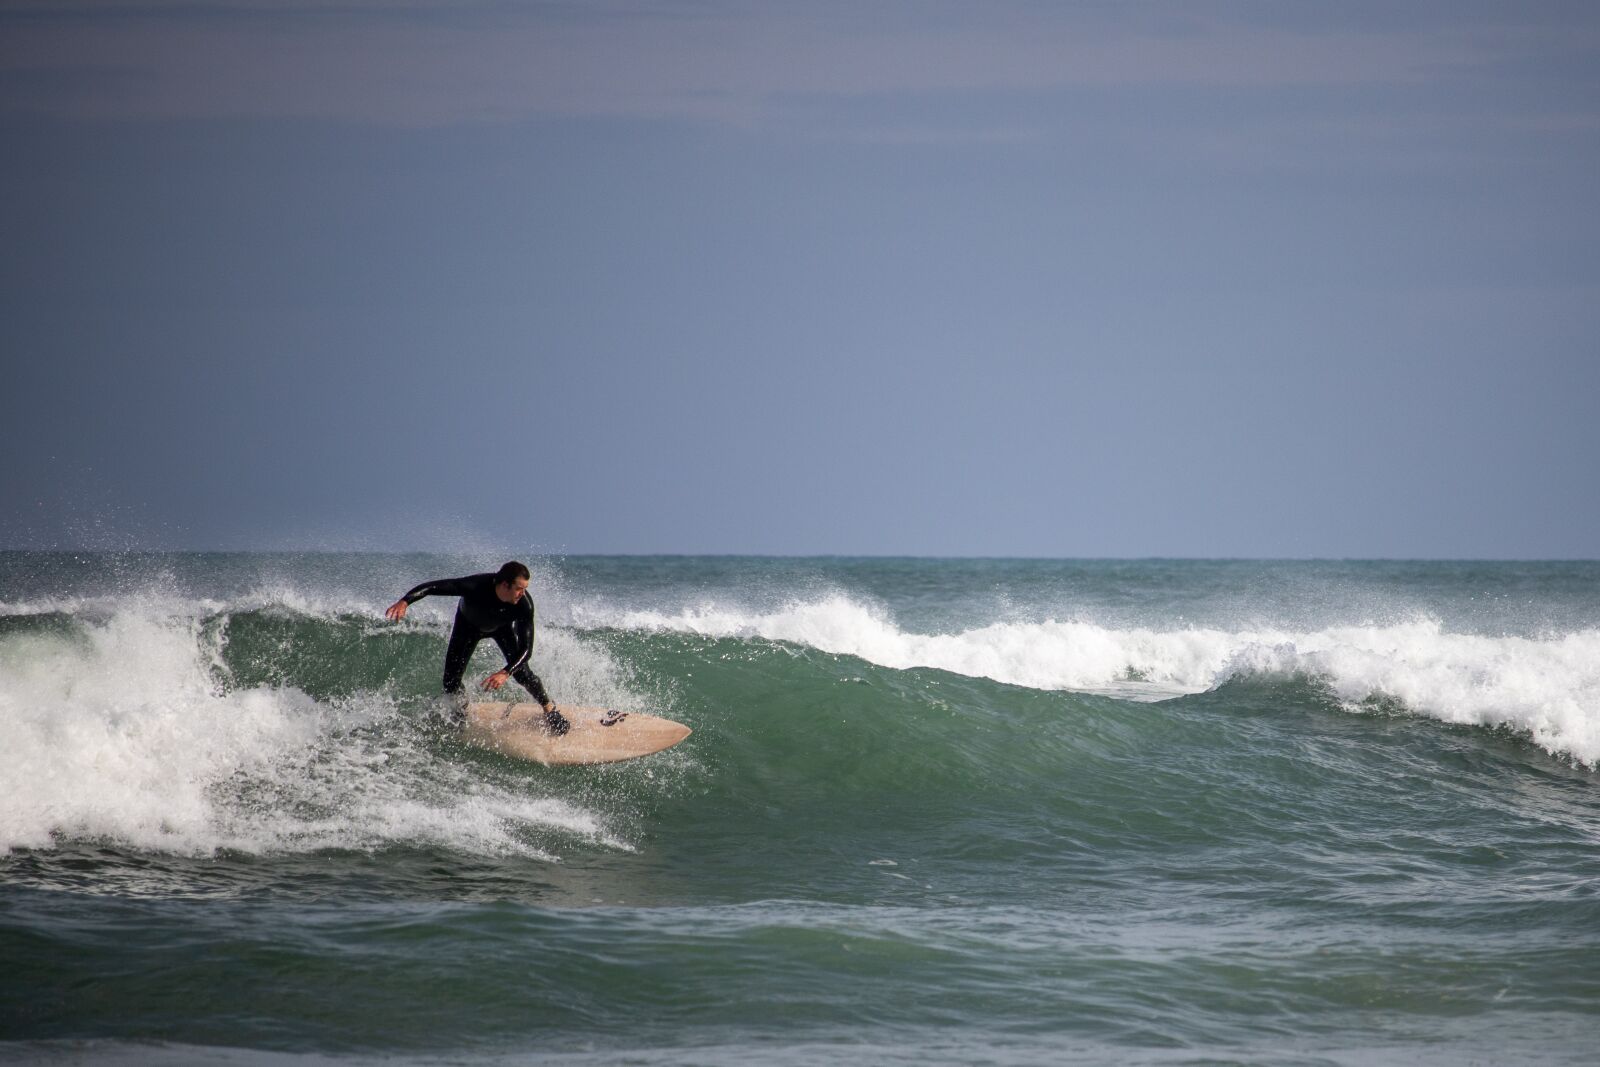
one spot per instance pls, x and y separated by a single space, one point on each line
598 735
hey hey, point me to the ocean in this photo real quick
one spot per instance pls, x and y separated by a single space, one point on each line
932 812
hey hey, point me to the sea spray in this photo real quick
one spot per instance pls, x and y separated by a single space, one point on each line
137 729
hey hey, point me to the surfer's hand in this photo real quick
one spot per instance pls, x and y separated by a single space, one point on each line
496 680
397 611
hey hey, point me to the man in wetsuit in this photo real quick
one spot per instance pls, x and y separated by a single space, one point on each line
492 605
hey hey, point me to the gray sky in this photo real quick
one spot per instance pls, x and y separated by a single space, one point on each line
1094 279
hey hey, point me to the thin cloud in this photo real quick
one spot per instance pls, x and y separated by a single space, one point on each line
418 63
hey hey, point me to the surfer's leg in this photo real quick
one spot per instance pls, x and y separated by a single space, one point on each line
554 721
464 637
530 681
526 678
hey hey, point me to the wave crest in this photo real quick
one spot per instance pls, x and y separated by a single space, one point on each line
1547 687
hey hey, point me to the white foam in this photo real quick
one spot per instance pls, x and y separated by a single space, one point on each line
1040 655
124 730
1547 687
123 734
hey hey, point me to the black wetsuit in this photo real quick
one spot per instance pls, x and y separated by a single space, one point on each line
481 614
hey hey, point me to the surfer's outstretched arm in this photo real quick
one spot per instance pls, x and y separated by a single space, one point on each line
437 587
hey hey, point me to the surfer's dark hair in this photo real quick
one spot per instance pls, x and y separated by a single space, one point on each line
510 572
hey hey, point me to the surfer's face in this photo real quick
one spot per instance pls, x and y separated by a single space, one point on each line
511 591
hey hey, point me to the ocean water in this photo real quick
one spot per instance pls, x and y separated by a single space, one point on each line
933 811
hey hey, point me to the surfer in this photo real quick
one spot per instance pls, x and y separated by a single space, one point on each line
492 605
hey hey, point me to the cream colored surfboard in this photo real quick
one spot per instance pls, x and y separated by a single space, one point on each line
598 735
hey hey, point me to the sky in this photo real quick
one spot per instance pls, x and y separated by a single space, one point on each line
1100 279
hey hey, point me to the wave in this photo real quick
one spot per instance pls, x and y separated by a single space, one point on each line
294 724
1546 687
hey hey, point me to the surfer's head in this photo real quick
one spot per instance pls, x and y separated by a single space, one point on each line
511 581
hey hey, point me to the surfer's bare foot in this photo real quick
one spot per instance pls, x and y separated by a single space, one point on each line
555 723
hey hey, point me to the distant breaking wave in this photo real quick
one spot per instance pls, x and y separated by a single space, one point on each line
1548 687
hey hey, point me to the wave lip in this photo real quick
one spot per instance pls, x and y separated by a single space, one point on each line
1044 655
1547 688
